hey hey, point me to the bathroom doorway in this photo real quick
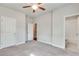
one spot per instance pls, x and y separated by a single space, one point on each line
35 32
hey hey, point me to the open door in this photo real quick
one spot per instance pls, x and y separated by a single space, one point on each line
35 32
32 31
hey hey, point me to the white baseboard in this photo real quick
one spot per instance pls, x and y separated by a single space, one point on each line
29 40
13 45
58 46
2 47
45 42
20 43
52 44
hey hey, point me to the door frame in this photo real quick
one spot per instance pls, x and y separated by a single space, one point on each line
35 30
64 26
28 30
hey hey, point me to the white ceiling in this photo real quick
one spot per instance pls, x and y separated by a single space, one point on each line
28 11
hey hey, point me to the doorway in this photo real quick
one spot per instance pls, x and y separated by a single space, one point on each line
32 32
71 33
35 32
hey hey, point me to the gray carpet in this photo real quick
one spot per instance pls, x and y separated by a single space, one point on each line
34 48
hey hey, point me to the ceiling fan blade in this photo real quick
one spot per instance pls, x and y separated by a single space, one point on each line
33 11
41 8
26 6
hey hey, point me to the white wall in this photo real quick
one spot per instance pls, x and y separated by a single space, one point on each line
44 28
58 25
30 20
20 23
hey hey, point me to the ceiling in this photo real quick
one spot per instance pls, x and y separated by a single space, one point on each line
28 11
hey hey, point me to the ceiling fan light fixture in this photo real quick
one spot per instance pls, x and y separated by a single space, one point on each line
35 7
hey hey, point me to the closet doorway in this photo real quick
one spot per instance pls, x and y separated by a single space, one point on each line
8 31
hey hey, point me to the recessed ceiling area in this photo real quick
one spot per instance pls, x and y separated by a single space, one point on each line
28 11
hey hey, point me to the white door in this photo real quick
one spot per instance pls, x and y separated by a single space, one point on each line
30 31
78 30
8 31
71 32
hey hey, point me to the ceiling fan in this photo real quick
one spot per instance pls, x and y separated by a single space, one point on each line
35 7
